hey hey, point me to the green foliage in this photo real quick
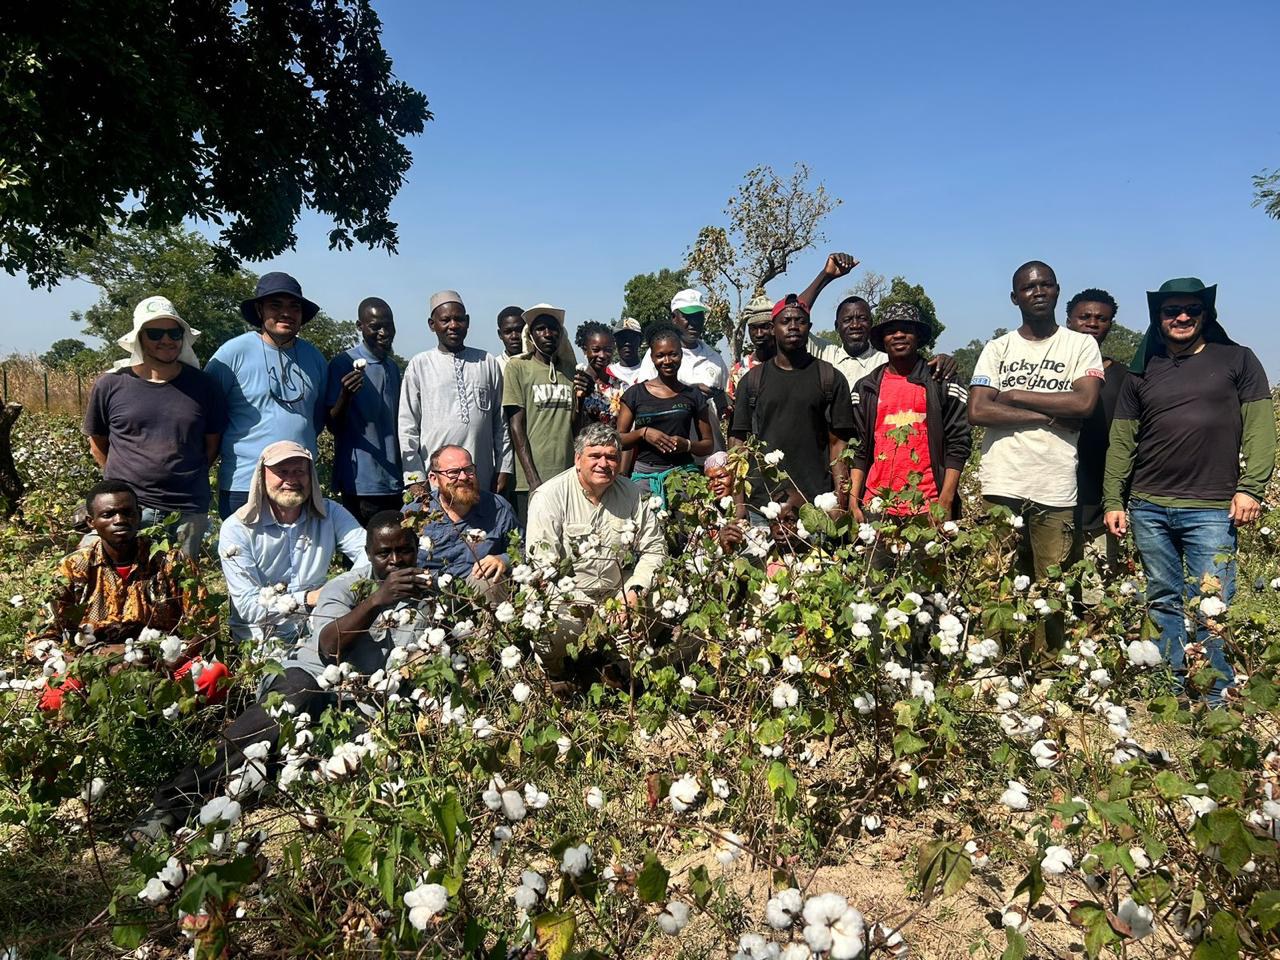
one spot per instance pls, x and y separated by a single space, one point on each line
63 353
902 292
147 114
130 265
647 296
1266 192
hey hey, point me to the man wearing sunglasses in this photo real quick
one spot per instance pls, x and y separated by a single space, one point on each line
273 381
156 421
1198 405
466 527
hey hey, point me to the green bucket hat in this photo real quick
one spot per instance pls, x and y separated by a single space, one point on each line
1153 341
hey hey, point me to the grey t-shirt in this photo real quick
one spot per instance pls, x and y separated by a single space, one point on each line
366 653
155 434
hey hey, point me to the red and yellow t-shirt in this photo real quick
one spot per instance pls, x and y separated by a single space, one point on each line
901 404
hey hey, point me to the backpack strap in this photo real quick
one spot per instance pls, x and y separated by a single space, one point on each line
827 380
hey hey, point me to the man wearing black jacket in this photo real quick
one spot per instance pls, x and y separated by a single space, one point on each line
912 430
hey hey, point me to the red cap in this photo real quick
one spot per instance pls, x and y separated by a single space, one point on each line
790 300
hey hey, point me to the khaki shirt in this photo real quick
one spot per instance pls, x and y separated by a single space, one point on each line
853 368
630 544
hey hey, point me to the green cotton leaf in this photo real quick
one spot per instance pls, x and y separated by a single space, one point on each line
387 879
1219 723
770 731
1266 909
128 936
1115 812
1016 945
1032 885
816 521
357 853
1226 785
450 817
1172 786
906 743
554 934
782 779
1221 941
943 868
700 886
651 883
1236 845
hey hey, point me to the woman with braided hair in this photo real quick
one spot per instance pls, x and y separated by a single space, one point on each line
595 340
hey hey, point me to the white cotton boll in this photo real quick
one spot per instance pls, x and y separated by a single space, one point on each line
688 684
17 600
1015 796
424 902
576 860
784 696
1138 918
771 510
563 745
525 898
171 711
1046 753
720 788
871 823
170 649
1057 860
505 613
482 728
513 807
826 501
782 909
1140 858
1014 918
594 798
521 692
774 457
792 665
1200 806
220 810
977 853
93 790
730 848
1021 582
1212 606
531 619
1144 653
684 793
674 917
534 798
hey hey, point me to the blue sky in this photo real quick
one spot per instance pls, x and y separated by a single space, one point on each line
576 144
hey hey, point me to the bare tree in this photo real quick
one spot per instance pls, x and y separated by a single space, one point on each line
770 221
871 287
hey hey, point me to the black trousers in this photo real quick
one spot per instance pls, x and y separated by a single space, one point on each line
198 783
364 506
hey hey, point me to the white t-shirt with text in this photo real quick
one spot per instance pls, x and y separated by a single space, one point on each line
1033 463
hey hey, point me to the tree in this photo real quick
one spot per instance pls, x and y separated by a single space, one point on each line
1266 192
870 287
770 221
130 265
902 292
144 113
647 296
62 352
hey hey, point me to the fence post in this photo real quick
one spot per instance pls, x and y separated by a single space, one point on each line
46 391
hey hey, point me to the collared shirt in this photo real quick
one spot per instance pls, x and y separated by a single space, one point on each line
366 459
561 519
271 395
453 398
627 376
156 591
701 366
296 555
442 546
853 368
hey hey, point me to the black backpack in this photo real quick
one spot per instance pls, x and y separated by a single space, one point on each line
754 380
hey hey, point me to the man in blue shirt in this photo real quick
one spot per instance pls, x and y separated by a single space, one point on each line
273 382
363 400
276 549
466 529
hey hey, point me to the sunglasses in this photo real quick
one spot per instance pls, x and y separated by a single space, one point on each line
1192 310
155 336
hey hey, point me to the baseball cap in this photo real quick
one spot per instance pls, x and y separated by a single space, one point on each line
790 300
628 325
688 301
283 450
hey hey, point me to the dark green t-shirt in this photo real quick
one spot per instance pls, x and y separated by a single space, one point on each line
545 394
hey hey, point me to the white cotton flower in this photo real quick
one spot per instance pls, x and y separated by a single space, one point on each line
834 927
720 788
220 810
864 704
94 790
782 909
688 684
595 798
1144 653
792 665
424 902
513 807
826 501
1212 606
684 793
534 798
521 692
576 860
1021 582
1015 796
785 695
771 510
674 917
482 728
170 649
774 457
1200 806
505 613
1138 918
730 848
1057 860
1046 753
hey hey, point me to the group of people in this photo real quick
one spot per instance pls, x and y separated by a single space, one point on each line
1180 444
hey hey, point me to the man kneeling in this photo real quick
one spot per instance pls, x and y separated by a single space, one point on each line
590 500
343 630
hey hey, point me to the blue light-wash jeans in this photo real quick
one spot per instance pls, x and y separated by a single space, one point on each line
1178 546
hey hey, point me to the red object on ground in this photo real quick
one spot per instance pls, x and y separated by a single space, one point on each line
213 681
51 699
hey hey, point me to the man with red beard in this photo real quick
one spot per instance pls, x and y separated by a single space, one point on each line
466 530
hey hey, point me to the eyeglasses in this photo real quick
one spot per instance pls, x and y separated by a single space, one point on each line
1192 310
156 335
457 472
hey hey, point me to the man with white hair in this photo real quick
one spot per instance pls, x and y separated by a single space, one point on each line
591 499
276 549
155 422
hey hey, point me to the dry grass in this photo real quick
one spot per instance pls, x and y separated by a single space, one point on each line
25 380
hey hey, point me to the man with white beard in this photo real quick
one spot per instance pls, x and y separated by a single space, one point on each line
276 549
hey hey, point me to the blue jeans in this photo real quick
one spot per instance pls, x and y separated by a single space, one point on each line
229 501
1178 546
